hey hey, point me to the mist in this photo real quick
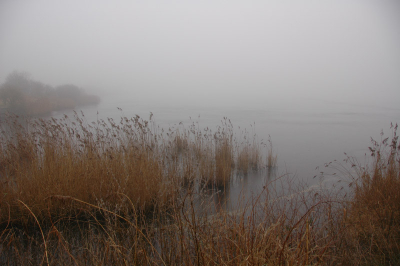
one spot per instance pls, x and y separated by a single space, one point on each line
164 130
235 53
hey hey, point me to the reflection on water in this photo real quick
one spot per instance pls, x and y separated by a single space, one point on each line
305 135
240 190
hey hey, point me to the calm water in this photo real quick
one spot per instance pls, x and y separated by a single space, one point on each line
305 135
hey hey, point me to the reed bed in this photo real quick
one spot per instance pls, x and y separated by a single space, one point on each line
44 161
373 215
249 151
287 223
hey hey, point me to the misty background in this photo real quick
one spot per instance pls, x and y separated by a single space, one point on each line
320 77
222 52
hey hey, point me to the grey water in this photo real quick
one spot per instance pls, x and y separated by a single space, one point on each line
305 135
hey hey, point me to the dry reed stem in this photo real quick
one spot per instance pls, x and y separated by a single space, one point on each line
286 224
52 156
117 215
41 231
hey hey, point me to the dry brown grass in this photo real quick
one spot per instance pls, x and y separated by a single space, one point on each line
89 189
97 162
266 229
373 216
271 156
95 166
249 155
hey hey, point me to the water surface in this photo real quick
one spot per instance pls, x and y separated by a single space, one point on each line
305 135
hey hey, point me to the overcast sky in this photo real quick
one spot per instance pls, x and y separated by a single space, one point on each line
235 51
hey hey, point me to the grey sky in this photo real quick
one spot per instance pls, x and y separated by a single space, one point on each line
197 50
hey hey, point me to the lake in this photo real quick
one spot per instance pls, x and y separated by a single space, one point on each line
305 135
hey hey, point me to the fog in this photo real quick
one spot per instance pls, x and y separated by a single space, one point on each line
221 53
307 84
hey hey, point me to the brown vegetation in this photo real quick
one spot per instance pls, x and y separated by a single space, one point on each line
98 162
373 216
113 193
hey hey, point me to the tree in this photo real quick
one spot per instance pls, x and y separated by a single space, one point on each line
20 80
70 91
22 94
11 95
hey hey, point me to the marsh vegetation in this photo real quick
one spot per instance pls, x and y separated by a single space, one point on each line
129 192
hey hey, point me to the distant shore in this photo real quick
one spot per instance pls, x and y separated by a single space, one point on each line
24 96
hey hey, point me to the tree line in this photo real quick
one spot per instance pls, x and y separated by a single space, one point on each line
23 95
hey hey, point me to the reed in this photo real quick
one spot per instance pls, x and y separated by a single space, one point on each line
84 193
243 159
249 155
96 162
374 214
265 229
92 163
223 161
271 156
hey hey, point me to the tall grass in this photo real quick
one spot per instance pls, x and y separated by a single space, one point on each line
249 154
373 217
133 169
95 163
100 161
271 156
